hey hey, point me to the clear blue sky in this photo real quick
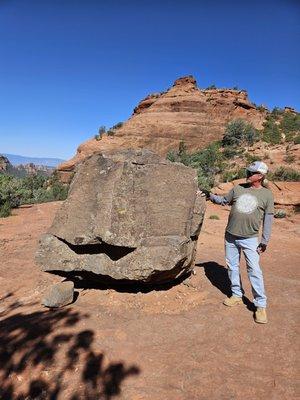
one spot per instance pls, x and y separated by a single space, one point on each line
67 67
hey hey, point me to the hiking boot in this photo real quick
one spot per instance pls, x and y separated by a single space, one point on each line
260 315
232 301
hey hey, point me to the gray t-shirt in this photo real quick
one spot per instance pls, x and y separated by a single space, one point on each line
248 208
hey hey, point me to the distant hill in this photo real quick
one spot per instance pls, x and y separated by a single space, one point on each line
17 160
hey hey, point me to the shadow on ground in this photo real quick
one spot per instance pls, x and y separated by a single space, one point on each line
218 276
41 356
90 280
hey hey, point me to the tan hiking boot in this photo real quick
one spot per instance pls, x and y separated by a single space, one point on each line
232 301
260 315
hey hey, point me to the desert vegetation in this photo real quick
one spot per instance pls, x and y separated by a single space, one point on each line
110 131
225 160
15 191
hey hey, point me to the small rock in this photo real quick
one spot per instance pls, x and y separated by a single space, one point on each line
59 295
187 282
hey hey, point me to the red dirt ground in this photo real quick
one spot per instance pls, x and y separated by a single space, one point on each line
176 343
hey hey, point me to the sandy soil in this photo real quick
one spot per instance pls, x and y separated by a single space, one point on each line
173 343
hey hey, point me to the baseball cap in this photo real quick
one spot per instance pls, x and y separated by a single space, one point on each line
258 166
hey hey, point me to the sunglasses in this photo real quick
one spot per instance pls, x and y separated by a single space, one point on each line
249 173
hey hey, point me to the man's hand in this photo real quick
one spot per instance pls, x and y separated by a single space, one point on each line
203 193
261 248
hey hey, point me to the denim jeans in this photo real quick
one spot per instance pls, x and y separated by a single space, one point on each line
234 245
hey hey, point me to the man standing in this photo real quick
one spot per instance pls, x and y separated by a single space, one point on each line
251 204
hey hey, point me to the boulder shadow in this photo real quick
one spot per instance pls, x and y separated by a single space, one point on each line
89 280
218 276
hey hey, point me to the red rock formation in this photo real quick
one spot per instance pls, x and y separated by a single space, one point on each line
161 121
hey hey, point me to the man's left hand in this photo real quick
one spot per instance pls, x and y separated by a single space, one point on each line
261 248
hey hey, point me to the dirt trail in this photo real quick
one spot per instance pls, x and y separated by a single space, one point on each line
176 343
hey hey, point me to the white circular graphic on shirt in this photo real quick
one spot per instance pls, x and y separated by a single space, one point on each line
246 203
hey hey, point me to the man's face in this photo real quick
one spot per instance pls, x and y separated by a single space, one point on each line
253 177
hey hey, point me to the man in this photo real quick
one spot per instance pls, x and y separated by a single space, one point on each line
251 204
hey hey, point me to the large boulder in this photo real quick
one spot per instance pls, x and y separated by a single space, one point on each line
129 215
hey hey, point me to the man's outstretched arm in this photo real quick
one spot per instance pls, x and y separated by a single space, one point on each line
218 199
222 200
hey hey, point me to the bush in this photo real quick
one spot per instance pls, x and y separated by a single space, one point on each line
101 130
208 162
297 139
271 133
5 209
232 175
285 174
213 216
239 133
117 126
289 158
276 112
250 158
290 122
15 191
280 214
230 152
171 155
110 132
211 87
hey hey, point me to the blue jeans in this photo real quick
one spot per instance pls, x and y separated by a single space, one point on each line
233 247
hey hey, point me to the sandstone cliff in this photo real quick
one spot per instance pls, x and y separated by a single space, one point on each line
162 120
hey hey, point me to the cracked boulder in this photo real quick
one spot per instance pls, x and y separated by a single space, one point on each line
129 216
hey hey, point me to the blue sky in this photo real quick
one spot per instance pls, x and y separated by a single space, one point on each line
70 66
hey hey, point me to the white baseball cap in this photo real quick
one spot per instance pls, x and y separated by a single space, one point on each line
258 166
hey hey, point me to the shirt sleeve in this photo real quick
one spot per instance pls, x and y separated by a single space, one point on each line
267 227
229 196
270 204
223 200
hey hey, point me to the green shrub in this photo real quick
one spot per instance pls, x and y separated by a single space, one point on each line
15 191
211 87
5 209
239 133
117 126
250 158
230 152
231 175
290 122
289 158
285 174
271 133
101 130
297 139
280 214
207 162
110 132
171 155
276 112
213 216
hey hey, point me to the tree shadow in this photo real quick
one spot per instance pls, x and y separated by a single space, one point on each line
218 276
41 350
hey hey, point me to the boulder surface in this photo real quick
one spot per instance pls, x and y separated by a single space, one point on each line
130 216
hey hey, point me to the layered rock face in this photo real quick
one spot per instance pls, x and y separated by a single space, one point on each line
129 215
162 120
5 165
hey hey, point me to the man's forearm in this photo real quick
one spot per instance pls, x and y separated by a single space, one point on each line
218 199
267 228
